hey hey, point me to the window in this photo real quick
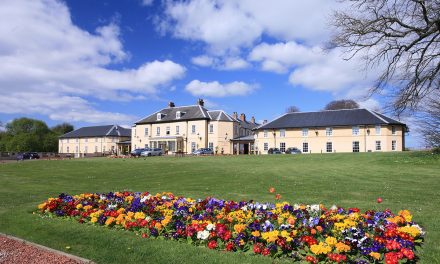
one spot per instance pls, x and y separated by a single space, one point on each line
193 129
167 130
67 149
265 133
328 131
76 140
211 145
282 146
282 132
305 147
103 149
393 130
355 131
305 132
355 146
158 131
146 131
85 149
178 114
378 130
378 145
193 146
86 140
67 140
177 130
211 128
329 147
113 139
134 131
96 139
393 145
76 149
96 148
146 145
266 146
159 116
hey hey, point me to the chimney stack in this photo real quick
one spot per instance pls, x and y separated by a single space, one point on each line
234 115
243 117
200 102
253 120
171 104
265 121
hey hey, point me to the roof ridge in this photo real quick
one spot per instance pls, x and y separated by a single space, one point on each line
301 112
260 126
376 115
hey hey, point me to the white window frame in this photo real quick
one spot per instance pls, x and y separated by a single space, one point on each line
159 116
329 131
353 146
393 130
393 145
193 146
96 139
305 132
193 129
76 149
266 146
305 147
167 131
67 150
157 131
96 149
327 144
265 133
283 146
86 140
355 131
378 145
178 115
378 129
211 128
282 133
177 130
211 145
146 131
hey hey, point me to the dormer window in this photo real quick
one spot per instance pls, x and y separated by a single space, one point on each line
159 116
178 114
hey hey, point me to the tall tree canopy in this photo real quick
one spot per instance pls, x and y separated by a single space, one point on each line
292 109
404 35
430 123
341 104
62 129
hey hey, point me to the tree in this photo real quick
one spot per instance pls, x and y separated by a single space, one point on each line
404 35
430 123
341 104
62 129
292 109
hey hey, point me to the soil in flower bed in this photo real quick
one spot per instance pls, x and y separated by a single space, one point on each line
18 252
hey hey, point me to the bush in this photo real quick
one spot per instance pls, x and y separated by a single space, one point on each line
436 150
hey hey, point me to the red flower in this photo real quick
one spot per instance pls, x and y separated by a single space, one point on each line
265 252
212 244
278 196
230 246
408 253
311 259
258 248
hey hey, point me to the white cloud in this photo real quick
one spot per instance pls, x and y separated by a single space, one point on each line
221 63
43 52
216 89
228 25
203 60
147 2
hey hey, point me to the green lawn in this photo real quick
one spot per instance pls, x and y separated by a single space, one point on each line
408 180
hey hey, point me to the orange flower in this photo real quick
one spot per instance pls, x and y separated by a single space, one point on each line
313 231
319 228
278 196
271 189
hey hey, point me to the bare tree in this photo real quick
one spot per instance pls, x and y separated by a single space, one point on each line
292 109
402 34
341 104
430 123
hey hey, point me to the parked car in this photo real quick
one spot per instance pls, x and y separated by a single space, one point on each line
137 152
203 151
152 152
274 151
293 151
28 155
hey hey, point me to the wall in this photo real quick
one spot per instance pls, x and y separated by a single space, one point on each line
89 145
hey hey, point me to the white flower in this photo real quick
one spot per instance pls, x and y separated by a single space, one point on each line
102 197
334 207
264 207
296 206
315 207
244 208
203 234
144 198
148 218
420 229
210 227
164 197
111 206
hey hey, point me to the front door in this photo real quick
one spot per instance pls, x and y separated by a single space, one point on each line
246 148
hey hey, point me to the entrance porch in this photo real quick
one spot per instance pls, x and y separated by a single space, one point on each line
243 145
168 144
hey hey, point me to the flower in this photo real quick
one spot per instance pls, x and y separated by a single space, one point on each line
212 244
203 234
321 248
271 189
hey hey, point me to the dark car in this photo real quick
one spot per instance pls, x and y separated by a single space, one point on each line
137 152
204 151
28 155
293 151
274 151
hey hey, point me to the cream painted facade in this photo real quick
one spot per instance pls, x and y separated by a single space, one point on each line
341 139
89 145
187 136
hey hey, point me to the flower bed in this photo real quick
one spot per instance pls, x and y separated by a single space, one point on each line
301 232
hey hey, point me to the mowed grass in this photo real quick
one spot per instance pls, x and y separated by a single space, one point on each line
409 180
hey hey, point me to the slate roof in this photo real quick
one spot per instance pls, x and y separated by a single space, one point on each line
219 115
192 112
346 117
246 124
99 131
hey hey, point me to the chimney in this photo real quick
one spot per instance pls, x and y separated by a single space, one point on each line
171 104
243 117
253 120
234 115
264 121
200 102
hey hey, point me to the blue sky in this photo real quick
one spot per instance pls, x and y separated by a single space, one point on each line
100 62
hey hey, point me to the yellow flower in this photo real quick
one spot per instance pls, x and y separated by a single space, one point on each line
139 215
256 233
406 215
331 241
239 227
321 248
41 206
271 236
286 235
94 219
341 247
109 221
79 206
410 230
375 255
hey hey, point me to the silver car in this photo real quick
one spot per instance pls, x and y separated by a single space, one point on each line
152 152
